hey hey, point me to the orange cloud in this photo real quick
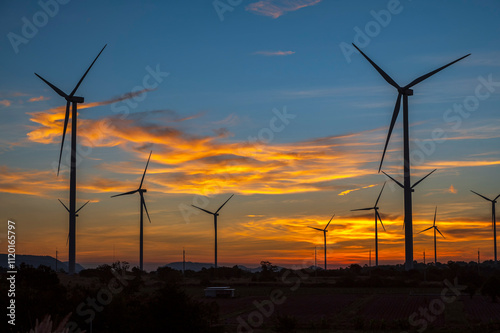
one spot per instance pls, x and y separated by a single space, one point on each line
277 8
5 102
38 99
355 189
453 190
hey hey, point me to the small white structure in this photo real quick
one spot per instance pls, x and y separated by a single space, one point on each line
219 292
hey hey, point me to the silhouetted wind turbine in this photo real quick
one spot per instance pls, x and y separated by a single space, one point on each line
74 100
434 226
493 220
76 214
412 187
215 224
405 92
141 192
324 235
377 218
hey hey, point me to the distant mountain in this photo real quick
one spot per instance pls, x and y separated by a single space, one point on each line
36 261
198 266
193 266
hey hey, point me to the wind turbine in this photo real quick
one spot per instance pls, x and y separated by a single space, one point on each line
435 229
377 218
413 186
493 219
141 192
404 92
215 224
324 236
76 213
74 100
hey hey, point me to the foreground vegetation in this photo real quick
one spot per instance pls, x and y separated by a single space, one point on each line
115 298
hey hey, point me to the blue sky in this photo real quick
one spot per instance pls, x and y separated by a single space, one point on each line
227 80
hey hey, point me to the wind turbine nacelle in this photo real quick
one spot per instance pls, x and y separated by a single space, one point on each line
144 190
409 92
77 99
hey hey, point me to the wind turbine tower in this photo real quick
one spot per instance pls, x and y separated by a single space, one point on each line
404 92
141 192
324 235
493 220
215 225
377 218
73 100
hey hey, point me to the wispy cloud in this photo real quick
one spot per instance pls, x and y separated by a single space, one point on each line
277 8
356 189
38 99
5 102
274 53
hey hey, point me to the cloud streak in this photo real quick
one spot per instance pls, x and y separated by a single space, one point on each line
38 99
277 8
274 53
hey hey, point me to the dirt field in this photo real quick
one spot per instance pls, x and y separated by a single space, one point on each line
323 309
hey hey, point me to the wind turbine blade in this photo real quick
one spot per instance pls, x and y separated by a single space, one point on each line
67 240
391 127
423 178
206 211
329 222
482 196
423 77
223 204
126 193
435 212
145 208
83 77
440 232
394 180
426 229
381 72
380 219
66 119
496 197
315 228
354 210
57 90
144 174
85 204
376 203
63 205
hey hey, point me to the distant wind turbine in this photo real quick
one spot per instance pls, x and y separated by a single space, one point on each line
74 100
377 218
413 186
493 220
76 214
215 224
141 192
405 92
324 236
434 226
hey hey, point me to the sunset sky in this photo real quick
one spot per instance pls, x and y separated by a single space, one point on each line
263 99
